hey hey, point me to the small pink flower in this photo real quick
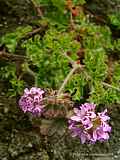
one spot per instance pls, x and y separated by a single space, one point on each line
103 115
89 126
31 101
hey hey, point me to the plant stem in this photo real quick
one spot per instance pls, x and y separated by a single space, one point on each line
12 57
37 8
110 86
75 67
32 73
71 21
69 58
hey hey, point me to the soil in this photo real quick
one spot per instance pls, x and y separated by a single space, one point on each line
19 139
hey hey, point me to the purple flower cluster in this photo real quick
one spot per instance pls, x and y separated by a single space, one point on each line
89 126
31 101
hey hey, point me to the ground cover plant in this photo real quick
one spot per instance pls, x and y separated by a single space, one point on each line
66 59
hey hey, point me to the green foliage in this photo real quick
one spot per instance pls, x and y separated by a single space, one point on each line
76 86
79 2
59 4
116 75
115 20
96 37
11 39
97 94
17 87
9 73
53 10
101 95
117 44
95 64
49 58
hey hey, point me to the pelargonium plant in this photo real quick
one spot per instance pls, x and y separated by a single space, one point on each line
32 101
84 124
89 126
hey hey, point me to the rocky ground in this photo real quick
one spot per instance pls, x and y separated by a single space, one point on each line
19 139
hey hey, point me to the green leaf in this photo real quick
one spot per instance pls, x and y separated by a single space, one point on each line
115 20
95 64
11 39
59 4
79 2
76 86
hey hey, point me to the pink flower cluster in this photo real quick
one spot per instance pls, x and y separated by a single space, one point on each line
89 126
31 101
